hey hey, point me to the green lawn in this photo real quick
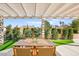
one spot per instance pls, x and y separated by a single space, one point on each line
61 42
7 44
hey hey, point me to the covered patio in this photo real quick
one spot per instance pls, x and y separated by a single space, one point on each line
37 10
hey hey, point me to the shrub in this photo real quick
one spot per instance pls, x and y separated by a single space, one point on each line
59 31
75 25
37 32
54 33
75 30
8 33
16 33
47 28
65 33
70 33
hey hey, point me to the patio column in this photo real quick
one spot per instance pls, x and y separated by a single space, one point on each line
42 31
1 30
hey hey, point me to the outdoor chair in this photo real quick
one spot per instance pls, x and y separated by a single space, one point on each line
22 51
46 51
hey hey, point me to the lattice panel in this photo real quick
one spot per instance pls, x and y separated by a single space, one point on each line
1 32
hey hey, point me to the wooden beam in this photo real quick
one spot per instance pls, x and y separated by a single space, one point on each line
70 10
5 12
35 10
61 5
24 9
12 9
46 9
40 17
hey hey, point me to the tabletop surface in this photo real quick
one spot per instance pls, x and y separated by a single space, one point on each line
34 42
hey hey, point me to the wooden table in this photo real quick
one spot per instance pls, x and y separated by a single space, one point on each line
33 47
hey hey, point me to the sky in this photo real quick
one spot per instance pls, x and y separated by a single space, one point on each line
34 21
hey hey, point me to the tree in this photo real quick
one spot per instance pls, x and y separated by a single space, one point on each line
70 33
54 33
47 28
37 32
16 33
75 25
65 33
61 24
8 33
27 32
33 33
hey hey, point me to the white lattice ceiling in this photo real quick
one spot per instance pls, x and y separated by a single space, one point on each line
45 10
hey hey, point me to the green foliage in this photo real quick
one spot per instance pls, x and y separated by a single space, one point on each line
75 25
8 33
59 31
47 28
75 30
70 33
11 36
16 33
7 44
46 33
65 33
12 33
62 42
31 32
47 25
27 32
61 23
37 32
54 33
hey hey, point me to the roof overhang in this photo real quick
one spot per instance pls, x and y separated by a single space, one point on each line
39 10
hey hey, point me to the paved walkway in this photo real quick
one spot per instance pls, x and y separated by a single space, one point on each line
67 50
7 52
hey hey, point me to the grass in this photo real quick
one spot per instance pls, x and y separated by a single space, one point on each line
7 44
61 42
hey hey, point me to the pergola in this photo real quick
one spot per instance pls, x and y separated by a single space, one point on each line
38 10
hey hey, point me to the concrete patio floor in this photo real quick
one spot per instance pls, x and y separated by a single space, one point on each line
7 52
64 50
67 50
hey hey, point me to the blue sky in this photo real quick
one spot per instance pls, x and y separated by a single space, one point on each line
34 21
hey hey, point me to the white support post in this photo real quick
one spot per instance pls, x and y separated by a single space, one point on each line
42 31
1 31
